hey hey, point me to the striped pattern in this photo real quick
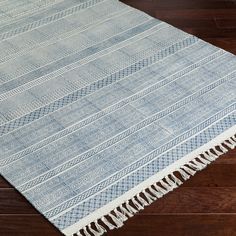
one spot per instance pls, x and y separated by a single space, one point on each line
97 97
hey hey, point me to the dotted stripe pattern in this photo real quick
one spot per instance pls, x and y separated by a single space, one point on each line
144 173
31 7
79 199
110 109
72 58
50 19
110 142
146 122
68 33
12 125
53 212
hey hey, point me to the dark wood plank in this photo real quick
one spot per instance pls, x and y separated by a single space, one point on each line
190 14
180 4
193 4
228 158
4 183
226 22
228 44
149 225
210 32
26 225
216 175
179 225
12 202
196 200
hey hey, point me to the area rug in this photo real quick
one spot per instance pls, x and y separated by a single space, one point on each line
104 109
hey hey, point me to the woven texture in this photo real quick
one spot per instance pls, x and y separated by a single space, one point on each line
96 97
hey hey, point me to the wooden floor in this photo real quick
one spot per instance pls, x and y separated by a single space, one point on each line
203 206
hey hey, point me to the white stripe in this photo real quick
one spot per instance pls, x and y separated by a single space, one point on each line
104 110
64 36
118 47
157 177
139 167
12 36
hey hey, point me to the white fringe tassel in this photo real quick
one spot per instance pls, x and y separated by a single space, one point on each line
119 215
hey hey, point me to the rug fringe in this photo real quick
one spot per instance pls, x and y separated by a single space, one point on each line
117 217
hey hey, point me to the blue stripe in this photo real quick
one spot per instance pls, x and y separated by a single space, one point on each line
70 59
12 125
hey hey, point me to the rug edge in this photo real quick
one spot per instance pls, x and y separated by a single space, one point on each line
114 214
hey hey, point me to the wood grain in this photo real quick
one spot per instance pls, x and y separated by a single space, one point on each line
203 206
26 225
140 225
179 225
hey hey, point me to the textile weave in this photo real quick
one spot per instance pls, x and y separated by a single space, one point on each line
98 101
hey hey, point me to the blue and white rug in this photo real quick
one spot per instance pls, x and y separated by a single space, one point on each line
104 109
